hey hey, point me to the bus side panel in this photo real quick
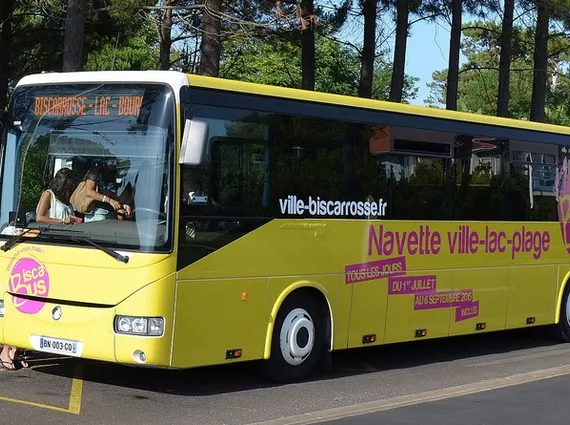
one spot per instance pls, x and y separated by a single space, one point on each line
213 316
369 304
5 297
412 308
482 295
342 314
532 293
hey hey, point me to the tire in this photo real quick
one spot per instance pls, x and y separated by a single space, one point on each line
297 341
562 328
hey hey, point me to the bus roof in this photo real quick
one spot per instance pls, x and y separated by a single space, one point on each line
178 79
371 104
174 79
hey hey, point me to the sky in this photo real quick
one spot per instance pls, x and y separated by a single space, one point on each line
427 51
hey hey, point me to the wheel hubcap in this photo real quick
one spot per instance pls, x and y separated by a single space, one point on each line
297 337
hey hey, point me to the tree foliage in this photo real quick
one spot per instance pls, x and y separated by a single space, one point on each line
479 76
265 41
277 62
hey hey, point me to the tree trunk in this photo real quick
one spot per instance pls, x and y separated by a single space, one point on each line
74 37
210 48
398 69
368 50
454 50
307 45
165 38
6 9
538 102
505 59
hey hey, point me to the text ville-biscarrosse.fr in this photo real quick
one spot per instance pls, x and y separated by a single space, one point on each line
320 207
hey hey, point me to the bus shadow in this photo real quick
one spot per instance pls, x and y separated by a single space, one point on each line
430 351
244 376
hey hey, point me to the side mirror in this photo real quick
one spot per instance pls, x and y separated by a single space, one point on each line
194 142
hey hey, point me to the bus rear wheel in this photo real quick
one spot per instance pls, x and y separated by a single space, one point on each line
297 340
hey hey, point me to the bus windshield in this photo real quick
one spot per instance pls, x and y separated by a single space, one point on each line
121 136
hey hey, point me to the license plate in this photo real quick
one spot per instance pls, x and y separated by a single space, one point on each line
56 345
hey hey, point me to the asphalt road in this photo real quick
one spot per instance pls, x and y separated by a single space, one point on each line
484 379
540 402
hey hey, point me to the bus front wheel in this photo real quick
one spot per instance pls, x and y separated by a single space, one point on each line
563 326
297 340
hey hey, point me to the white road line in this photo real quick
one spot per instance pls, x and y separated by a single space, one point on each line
412 399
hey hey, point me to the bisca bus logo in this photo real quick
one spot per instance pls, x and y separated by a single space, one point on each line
29 277
562 192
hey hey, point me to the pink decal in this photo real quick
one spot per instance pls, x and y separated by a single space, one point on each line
467 311
426 296
461 300
29 277
375 270
387 242
411 284
562 192
424 287
443 299
467 239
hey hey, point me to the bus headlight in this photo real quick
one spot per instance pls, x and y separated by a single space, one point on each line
1 308
145 326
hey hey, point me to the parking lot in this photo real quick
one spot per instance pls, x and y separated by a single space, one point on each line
70 391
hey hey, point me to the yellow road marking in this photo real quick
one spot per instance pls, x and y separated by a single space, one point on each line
76 390
31 403
75 395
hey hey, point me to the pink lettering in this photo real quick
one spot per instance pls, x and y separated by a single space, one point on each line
29 277
386 242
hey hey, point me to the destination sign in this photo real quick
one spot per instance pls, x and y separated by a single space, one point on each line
96 106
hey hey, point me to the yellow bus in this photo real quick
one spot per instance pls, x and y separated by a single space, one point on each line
271 224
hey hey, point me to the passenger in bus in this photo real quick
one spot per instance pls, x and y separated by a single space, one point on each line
96 180
126 192
54 206
141 175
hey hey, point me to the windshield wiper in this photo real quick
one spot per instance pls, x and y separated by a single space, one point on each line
17 238
37 231
114 254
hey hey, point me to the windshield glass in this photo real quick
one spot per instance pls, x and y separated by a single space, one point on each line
96 159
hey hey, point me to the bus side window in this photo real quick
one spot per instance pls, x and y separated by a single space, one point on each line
533 168
239 170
